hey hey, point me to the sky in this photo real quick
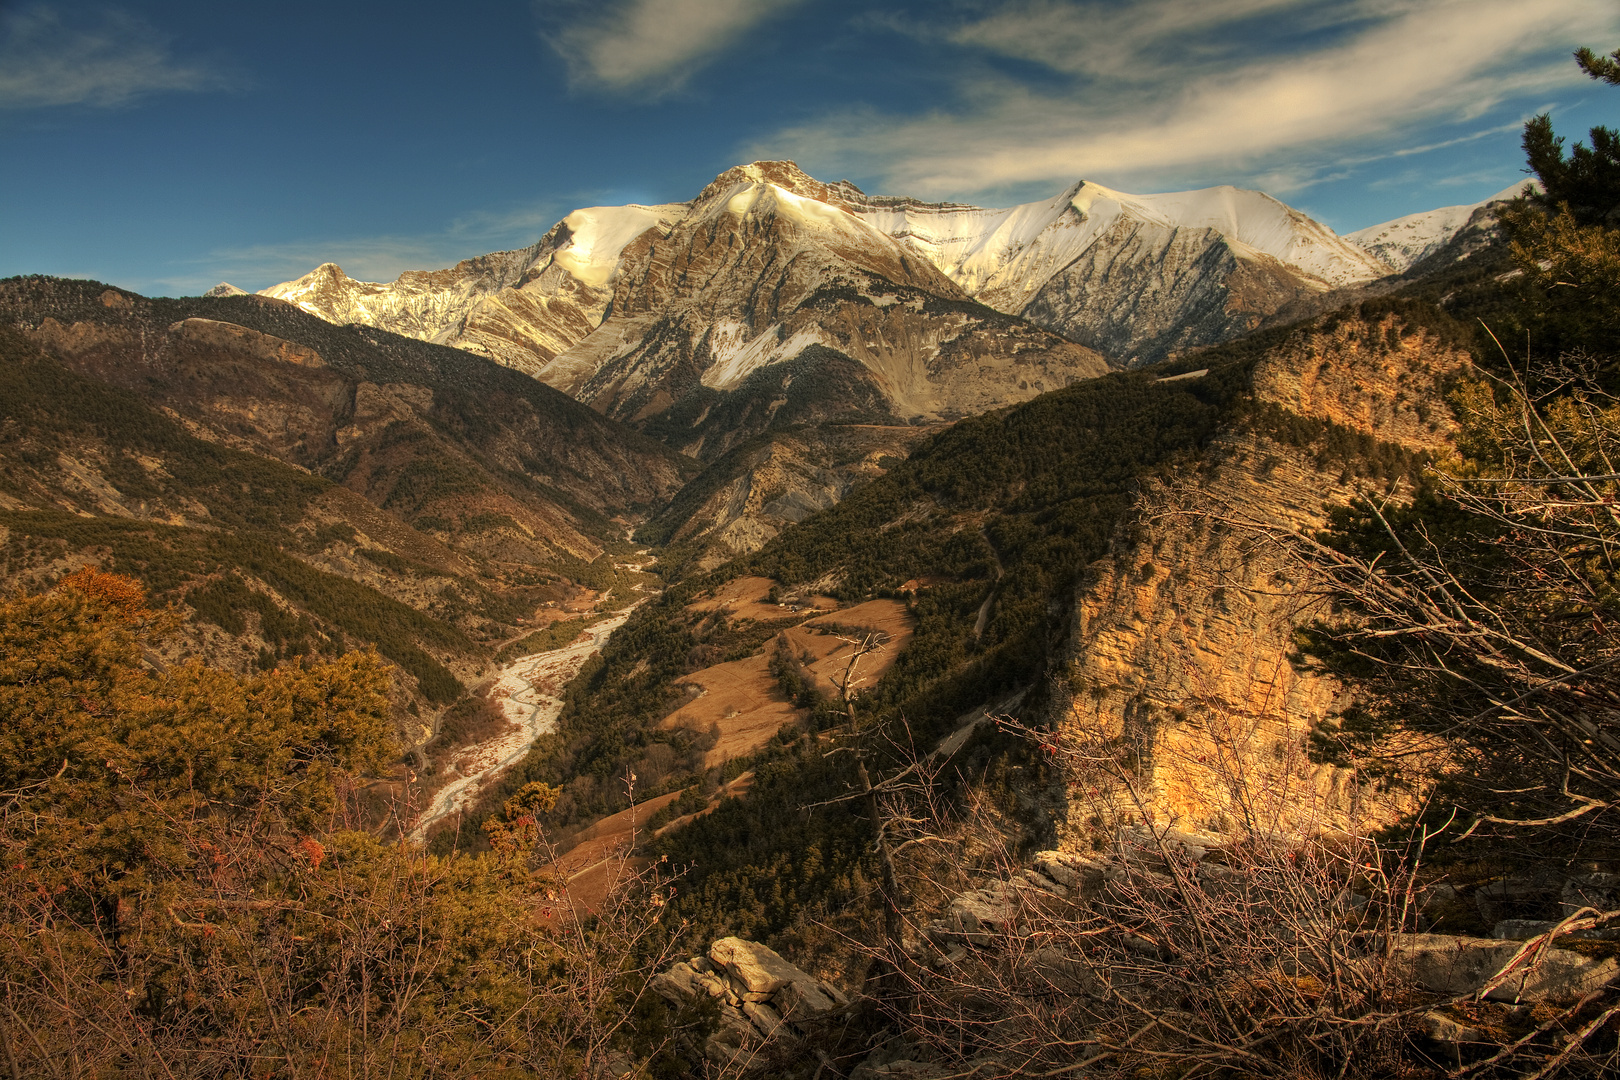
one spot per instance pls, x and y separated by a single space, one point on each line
167 146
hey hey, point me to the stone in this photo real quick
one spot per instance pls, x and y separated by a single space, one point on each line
975 917
679 985
1442 1028
733 1034
701 963
1596 890
754 967
1066 975
1044 883
711 985
764 1018
1524 929
1443 964
803 1000
1515 898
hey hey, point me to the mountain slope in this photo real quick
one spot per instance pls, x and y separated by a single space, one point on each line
1136 277
1407 241
485 457
757 272
519 308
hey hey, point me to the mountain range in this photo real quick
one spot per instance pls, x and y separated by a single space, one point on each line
1134 277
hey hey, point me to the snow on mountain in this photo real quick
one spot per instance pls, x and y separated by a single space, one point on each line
520 307
1406 240
1136 276
225 288
767 264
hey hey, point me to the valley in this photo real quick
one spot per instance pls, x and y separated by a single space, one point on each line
908 611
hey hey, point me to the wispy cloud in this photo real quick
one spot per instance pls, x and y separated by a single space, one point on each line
1237 88
104 58
649 46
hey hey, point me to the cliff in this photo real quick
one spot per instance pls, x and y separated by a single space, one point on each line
1183 632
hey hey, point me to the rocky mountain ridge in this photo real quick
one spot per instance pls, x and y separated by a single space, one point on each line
1134 276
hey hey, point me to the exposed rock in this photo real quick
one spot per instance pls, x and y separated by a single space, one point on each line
1456 966
735 1034
1516 898
1595 890
764 1018
1183 634
678 985
756 968
1442 1028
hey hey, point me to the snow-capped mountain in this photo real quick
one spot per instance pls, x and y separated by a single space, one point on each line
1404 242
768 267
519 308
1136 277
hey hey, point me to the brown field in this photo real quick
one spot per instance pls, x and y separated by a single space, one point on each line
599 857
743 698
744 598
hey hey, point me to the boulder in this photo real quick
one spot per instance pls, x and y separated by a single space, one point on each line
1595 890
733 1035
679 985
764 1018
803 1000
1054 969
755 968
1516 898
1075 871
1443 964
976 916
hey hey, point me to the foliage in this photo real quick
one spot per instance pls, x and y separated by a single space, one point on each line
180 894
1478 617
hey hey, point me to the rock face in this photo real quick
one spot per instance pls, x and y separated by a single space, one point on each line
1136 277
1455 966
762 996
1182 636
759 270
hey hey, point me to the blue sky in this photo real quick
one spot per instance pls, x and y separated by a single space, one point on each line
167 146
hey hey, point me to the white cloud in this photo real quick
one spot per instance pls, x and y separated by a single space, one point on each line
1167 87
648 45
107 59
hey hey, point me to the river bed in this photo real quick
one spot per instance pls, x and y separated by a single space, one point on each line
529 690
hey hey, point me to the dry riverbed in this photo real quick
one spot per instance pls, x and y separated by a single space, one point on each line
529 691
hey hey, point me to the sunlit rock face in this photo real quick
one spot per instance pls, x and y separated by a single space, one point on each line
768 263
1183 634
1136 277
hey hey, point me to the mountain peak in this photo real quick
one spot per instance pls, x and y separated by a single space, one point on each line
789 177
225 288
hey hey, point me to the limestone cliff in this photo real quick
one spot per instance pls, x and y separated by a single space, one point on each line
1183 633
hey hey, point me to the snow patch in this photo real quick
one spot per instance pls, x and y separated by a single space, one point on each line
598 236
736 355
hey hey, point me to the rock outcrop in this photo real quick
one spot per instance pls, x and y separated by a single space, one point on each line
762 997
1183 635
